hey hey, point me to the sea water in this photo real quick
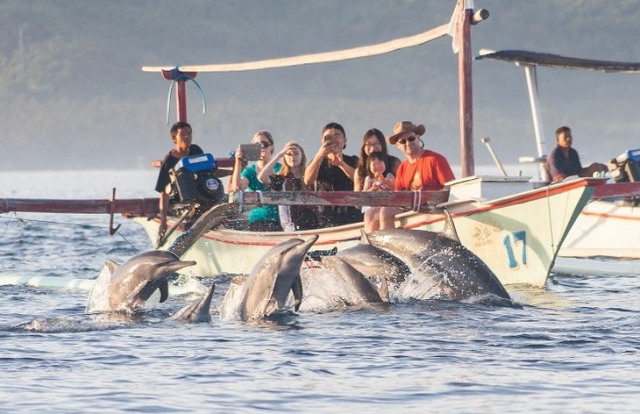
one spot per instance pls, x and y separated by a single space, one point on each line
571 347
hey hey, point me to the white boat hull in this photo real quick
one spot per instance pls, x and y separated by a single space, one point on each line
604 229
518 236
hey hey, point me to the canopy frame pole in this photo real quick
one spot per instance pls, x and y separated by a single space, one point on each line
538 127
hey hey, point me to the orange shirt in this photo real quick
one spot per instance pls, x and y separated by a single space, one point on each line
430 172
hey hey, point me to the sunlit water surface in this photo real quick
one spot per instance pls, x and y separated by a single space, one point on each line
572 347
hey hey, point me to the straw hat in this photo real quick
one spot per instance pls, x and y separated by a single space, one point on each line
401 127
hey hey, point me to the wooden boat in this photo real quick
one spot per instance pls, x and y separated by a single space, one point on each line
608 226
515 229
517 233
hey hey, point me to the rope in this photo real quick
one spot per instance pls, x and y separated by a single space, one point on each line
550 225
178 76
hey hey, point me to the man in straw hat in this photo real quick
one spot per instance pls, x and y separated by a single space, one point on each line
422 170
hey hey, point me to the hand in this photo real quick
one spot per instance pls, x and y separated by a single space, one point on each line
239 154
326 148
336 159
162 230
285 149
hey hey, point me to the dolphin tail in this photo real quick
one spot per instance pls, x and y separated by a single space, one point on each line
449 229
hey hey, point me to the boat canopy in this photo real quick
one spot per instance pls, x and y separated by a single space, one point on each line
557 61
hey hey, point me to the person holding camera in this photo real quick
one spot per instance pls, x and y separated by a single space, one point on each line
331 170
263 218
182 136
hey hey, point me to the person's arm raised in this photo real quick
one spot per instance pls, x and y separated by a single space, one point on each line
237 182
265 175
348 170
311 174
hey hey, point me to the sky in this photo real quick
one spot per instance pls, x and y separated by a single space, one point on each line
295 103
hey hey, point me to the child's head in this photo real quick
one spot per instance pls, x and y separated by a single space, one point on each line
375 164
294 157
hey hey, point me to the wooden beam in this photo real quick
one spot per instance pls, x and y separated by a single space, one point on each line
407 199
616 190
140 206
335 56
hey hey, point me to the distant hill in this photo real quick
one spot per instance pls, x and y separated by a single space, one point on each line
72 94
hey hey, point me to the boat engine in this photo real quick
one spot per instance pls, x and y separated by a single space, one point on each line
626 167
194 184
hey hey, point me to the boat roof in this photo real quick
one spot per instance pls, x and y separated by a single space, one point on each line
557 61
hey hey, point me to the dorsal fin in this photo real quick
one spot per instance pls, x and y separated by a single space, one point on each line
364 239
384 289
449 229
112 266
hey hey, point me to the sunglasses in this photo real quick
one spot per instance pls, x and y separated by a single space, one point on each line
264 144
404 141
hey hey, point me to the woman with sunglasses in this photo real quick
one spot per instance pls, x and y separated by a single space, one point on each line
262 218
422 170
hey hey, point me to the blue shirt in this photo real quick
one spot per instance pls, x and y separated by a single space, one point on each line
558 164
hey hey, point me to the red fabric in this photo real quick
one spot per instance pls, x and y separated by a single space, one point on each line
430 172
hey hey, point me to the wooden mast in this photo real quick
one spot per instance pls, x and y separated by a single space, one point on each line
465 89
181 91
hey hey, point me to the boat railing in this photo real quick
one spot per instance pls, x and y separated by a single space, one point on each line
413 200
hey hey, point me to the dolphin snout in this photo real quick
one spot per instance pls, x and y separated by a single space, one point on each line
175 266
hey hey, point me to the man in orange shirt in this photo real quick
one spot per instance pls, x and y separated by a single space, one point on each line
422 170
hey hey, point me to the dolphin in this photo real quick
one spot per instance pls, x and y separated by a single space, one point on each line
197 311
266 290
130 285
450 268
139 277
358 288
375 262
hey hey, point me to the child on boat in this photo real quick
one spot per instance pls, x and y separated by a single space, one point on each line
376 180
372 141
290 178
